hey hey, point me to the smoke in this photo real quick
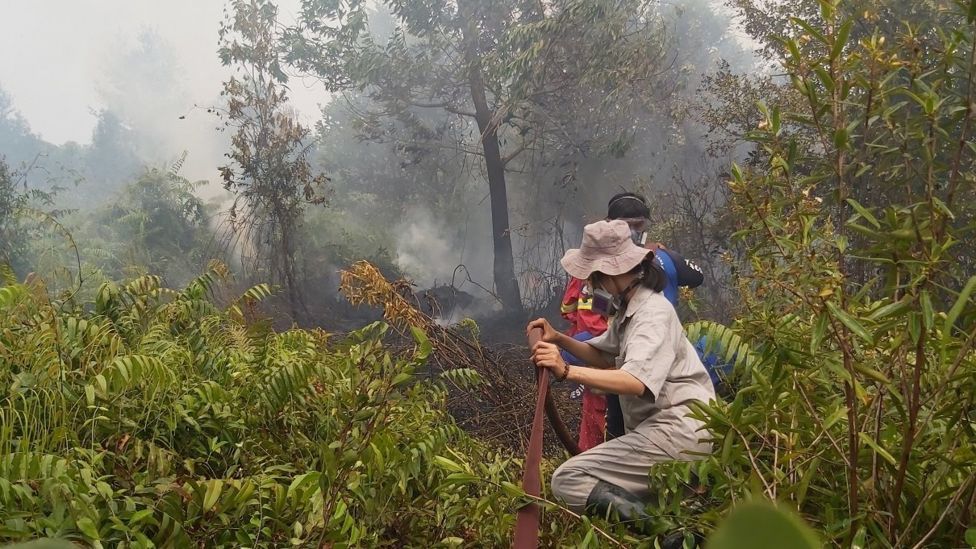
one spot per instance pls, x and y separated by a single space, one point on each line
430 252
143 85
147 64
154 69
422 247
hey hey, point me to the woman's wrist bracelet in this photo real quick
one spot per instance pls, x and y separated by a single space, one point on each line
565 373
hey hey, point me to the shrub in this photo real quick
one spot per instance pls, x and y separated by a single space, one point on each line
858 406
157 417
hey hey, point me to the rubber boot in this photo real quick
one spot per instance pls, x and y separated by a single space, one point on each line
676 540
606 500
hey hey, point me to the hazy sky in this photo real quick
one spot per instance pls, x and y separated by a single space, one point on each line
56 56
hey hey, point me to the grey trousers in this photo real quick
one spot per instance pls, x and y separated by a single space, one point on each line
626 461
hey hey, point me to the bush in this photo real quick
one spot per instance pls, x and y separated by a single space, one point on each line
156 417
857 407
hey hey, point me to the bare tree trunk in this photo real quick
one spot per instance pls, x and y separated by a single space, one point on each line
504 263
289 271
286 259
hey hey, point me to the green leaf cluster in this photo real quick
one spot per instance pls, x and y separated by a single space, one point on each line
856 218
159 417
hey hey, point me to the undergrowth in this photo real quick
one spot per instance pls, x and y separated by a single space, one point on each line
158 417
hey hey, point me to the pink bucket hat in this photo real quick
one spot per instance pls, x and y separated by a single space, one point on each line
606 248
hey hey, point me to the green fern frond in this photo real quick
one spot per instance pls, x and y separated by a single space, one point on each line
11 294
145 285
726 344
105 298
463 378
299 341
258 292
101 254
190 310
254 294
7 276
288 383
131 370
203 286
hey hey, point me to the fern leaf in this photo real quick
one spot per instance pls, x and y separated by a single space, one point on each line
11 294
7 276
723 342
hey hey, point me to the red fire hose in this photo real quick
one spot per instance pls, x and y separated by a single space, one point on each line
527 521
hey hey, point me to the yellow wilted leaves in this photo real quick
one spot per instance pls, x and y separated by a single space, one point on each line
363 284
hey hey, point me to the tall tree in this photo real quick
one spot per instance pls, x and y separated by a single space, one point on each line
269 170
517 77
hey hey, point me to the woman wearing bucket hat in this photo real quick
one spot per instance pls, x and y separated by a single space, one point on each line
600 417
645 358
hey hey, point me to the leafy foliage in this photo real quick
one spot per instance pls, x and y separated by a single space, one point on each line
11 201
154 225
858 290
756 525
153 416
157 417
18 205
